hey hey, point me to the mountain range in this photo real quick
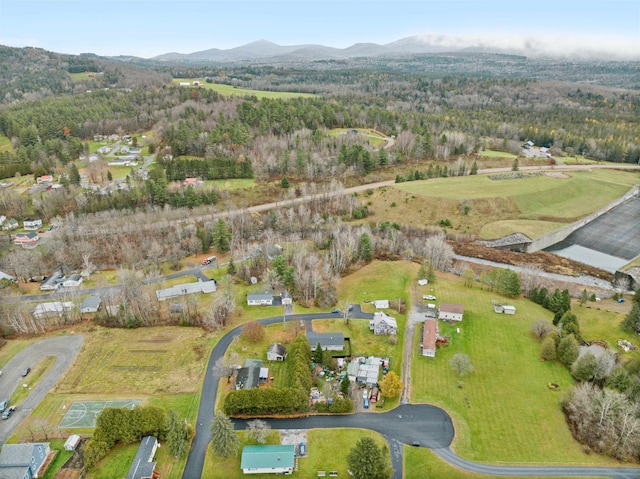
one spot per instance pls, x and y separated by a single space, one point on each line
417 44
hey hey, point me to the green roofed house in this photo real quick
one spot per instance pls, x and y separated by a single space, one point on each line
268 459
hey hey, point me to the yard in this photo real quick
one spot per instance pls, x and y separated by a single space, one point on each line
503 411
228 90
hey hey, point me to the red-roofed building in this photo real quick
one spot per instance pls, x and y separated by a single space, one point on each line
26 240
429 336
44 179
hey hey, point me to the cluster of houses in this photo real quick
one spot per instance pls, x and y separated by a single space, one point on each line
59 280
430 331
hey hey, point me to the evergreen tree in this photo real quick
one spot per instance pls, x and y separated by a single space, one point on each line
422 272
569 325
367 461
345 384
109 175
568 349
365 248
284 183
516 165
548 350
584 368
431 273
176 430
317 356
221 236
231 268
474 168
584 297
74 175
224 441
382 157
631 322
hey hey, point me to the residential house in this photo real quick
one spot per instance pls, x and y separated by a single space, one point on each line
23 461
52 309
72 281
327 341
366 371
279 459
248 377
276 352
383 324
259 299
429 335
451 311
10 224
72 442
26 240
202 287
91 304
143 466
32 224
52 282
44 179
381 304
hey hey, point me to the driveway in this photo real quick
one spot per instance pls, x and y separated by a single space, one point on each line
64 348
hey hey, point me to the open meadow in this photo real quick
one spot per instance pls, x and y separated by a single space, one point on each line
533 205
503 411
228 90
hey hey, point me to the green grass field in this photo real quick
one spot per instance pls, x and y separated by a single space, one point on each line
228 90
496 154
499 207
82 76
38 371
504 413
232 184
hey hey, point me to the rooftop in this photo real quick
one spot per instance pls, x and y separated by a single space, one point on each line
268 457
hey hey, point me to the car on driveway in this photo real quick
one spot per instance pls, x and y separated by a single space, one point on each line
8 411
429 297
25 371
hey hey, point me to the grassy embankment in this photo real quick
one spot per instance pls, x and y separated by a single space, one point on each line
533 205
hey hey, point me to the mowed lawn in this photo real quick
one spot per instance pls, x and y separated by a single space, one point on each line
504 412
228 90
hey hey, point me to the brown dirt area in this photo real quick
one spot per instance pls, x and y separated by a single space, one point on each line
546 261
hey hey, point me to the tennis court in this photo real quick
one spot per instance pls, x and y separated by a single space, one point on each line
83 414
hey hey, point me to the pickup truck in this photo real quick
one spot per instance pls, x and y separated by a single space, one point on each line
208 260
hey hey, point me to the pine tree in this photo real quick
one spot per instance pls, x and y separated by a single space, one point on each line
474 168
516 165
231 268
631 322
368 461
345 384
224 441
176 430
284 183
365 248
221 236
548 350
317 356
568 349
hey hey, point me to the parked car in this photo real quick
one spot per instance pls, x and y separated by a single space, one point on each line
374 394
366 403
335 311
3 405
25 371
365 394
7 413
303 449
429 297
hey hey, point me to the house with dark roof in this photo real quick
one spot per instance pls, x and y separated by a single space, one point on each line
72 281
259 299
451 311
26 240
52 282
143 466
276 352
383 324
91 304
249 376
23 461
327 341
277 459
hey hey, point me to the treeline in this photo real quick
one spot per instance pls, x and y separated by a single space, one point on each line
206 168
293 399
123 425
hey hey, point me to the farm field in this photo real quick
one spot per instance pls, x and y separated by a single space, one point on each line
5 144
504 412
500 207
229 90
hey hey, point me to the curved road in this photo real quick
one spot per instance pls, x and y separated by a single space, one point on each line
429 425
64 348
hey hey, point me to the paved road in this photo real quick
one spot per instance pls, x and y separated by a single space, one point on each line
64 348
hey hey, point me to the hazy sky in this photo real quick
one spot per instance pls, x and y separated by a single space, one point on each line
148 28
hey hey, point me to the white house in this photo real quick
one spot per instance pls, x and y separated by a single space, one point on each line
451 311
55 308
91 304
276 352
72 281
32 224
10 224
278 459
259 299
383 324
202 287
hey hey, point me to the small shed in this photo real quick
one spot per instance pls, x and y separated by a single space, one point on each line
381 304
276 352
72 442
